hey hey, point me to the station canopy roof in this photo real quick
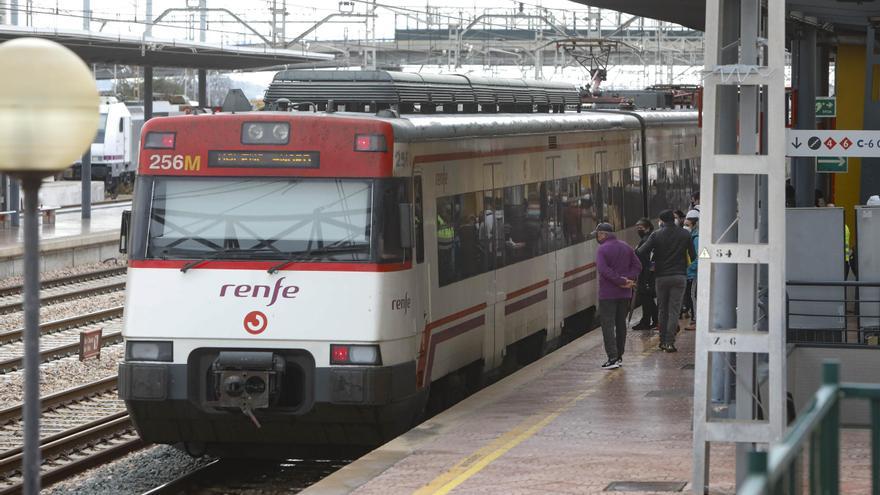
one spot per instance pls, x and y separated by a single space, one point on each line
99 48
845 15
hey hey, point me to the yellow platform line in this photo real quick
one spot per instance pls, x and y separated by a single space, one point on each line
477 461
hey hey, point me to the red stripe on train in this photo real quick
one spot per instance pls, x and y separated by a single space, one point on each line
265 265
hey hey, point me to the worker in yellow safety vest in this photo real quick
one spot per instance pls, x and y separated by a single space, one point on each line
445 241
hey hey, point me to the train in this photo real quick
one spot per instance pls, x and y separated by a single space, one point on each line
115 149
309 279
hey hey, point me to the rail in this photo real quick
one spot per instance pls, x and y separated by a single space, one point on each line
851 321
818 431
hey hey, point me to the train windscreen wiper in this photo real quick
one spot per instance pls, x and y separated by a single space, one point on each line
219 253
298 256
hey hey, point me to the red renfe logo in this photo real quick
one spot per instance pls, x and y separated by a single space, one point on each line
255 322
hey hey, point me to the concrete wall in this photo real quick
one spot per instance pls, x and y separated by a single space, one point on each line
67 193
857 365
64 252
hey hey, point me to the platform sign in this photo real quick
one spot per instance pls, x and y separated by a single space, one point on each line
90 344
841 143
832 164
826 106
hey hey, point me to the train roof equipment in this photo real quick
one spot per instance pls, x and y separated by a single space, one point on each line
416 93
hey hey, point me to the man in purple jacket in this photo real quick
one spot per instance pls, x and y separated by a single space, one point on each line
618 268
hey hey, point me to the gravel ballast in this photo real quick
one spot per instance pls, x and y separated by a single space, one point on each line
67 272
135 473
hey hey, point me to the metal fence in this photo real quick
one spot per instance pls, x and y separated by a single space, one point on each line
815 438
854 320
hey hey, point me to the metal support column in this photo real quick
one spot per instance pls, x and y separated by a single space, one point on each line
803 170
148 93
737 314
31 305
15 202
86 181
148 19
203 88
870 171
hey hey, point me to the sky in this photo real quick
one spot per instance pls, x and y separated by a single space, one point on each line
126 18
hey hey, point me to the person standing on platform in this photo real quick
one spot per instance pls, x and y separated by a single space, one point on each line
691 224
670 246
645 291
618 267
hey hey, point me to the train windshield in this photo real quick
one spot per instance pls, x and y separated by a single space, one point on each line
102 124
273 219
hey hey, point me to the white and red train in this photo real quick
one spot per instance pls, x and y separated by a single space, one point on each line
303 280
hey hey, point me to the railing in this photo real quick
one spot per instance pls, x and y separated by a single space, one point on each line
859 327
818 430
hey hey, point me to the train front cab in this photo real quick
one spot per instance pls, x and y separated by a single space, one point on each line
271 303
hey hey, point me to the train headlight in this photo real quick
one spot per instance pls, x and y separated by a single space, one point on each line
281 132
149 350
355 354
265 133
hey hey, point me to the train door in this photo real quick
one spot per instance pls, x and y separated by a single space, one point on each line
492 244
603 196
421 299
551 232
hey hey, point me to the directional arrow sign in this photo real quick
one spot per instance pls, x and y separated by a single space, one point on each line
832 164
839 143
826 106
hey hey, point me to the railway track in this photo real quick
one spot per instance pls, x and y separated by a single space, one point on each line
82 427
238 476
64 324
59 339
17 289
54 295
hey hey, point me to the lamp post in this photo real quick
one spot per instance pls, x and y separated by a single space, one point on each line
48 115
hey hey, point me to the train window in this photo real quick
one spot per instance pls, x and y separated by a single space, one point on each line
554 211
615 186
296 219
598 197
492 229
517 236
589 215
657 183
102 124
632 196
389 195
419 219
460 252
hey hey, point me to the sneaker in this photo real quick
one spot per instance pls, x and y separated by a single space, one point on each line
620 361
662 346
642 326
670 348
611 364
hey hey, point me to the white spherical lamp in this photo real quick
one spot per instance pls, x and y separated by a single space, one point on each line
48 107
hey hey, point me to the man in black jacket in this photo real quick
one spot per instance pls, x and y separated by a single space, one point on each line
671 248
645 288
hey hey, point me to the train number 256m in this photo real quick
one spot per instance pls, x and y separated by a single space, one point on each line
175 162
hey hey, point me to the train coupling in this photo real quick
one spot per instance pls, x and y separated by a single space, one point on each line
247 380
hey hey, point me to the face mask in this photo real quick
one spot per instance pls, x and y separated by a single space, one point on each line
643 233
688 228
678 222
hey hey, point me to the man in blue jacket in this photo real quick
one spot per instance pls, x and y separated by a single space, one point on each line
618 268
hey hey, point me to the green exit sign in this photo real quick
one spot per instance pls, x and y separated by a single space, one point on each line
832 164
826 106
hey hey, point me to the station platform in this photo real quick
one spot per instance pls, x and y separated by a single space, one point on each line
69 242
563 425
